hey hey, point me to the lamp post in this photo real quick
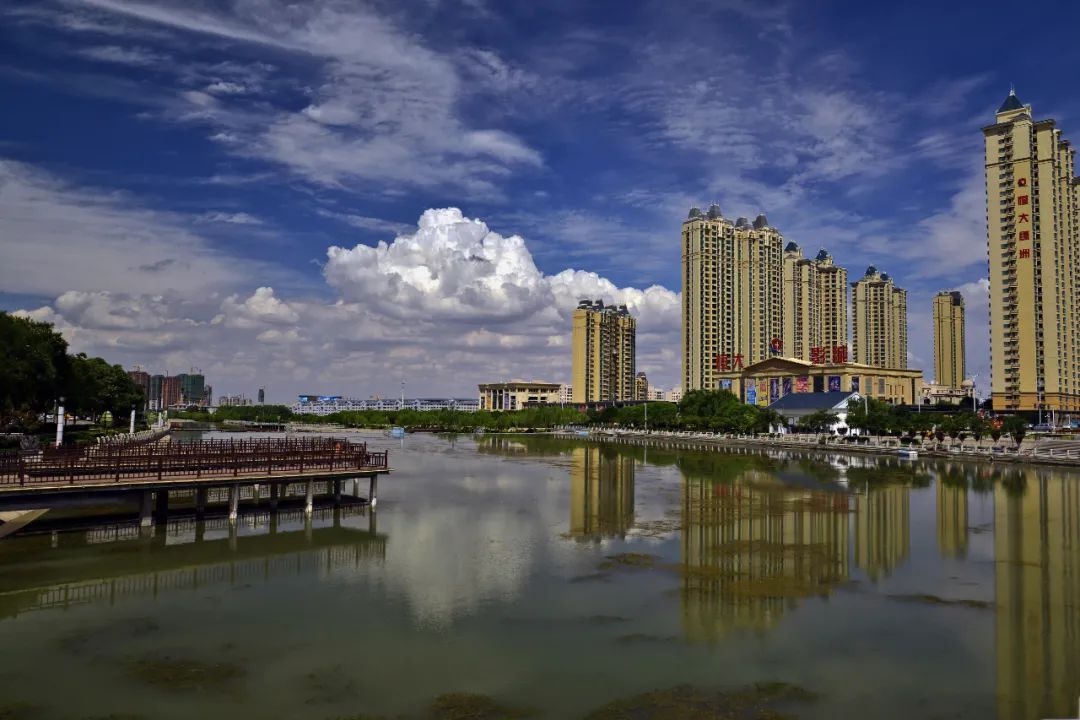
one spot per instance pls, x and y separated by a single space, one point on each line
60 422
131 428
974 399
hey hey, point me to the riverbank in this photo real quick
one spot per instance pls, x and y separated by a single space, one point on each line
1031 451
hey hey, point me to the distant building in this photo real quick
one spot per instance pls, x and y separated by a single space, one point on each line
155 397
566 394
674 395
142 381
1033 242
949 359
879 321
518 394
328 404
170 392
603 346
655 393
935 393
192 388
796 407
641 387
815 306
233 401
732 295
262 396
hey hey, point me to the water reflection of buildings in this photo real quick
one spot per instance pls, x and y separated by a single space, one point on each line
1037 593
750 551
952 518
601 492
882 522
184 555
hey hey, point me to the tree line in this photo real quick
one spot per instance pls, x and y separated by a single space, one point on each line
36 370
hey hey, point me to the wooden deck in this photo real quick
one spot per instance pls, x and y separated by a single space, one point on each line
127 472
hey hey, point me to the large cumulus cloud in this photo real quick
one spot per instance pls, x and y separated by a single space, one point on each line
445 307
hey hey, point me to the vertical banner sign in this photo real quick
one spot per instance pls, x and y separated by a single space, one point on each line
751 393
834 383
763 392
802 384
855 384
725 385
774 389
787 387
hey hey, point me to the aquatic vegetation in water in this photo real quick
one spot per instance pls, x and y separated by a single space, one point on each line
128 629
629 560
935 600
179 674
19 710
329 686
469 706
762 701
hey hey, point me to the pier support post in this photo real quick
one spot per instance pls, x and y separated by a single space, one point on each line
145 504
356 487
372 489
337 493
255 493
162 502
309 497
234 502
275 491
200 502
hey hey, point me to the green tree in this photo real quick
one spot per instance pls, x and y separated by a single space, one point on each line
820 421
33 370
1016 426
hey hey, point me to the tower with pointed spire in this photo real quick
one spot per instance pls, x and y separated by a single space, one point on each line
1033 247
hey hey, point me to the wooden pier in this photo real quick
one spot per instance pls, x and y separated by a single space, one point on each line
147 473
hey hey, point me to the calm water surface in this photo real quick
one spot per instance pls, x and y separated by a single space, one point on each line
561 576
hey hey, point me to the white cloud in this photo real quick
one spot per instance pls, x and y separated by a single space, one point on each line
137 56
56 237
236 218
447 306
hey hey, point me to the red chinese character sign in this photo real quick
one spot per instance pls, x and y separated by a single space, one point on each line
738 361
1024 235
819 355
1021 182
722 362
839 354
1022 200
1025 253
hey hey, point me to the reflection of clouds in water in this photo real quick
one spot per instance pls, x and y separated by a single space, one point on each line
447 561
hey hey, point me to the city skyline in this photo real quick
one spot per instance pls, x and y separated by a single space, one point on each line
221 182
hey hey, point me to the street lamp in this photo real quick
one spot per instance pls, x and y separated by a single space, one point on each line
974 400
60 421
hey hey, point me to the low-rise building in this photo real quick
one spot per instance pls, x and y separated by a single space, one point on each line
932 393
518 394
328 404
796 407
769 380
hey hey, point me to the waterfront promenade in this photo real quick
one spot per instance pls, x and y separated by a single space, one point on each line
1046 450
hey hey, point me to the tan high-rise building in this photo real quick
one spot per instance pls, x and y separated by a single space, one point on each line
815 306
1033 241
604 345
732 294
879 321
949 369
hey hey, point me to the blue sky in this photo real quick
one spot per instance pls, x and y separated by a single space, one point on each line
172 175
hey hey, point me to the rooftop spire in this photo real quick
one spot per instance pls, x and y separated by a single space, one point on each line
1011 102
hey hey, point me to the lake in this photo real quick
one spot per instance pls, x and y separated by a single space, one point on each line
513 576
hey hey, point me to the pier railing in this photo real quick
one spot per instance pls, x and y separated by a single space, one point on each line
202 459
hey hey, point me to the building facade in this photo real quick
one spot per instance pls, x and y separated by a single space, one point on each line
766 382
815 306
879 321
518 394
1033 244
170 392
603 342
732 295
949 354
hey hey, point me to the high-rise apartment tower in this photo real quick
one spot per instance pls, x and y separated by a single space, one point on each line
879 321
1033 243
604 345
815 305
732 295
949 356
